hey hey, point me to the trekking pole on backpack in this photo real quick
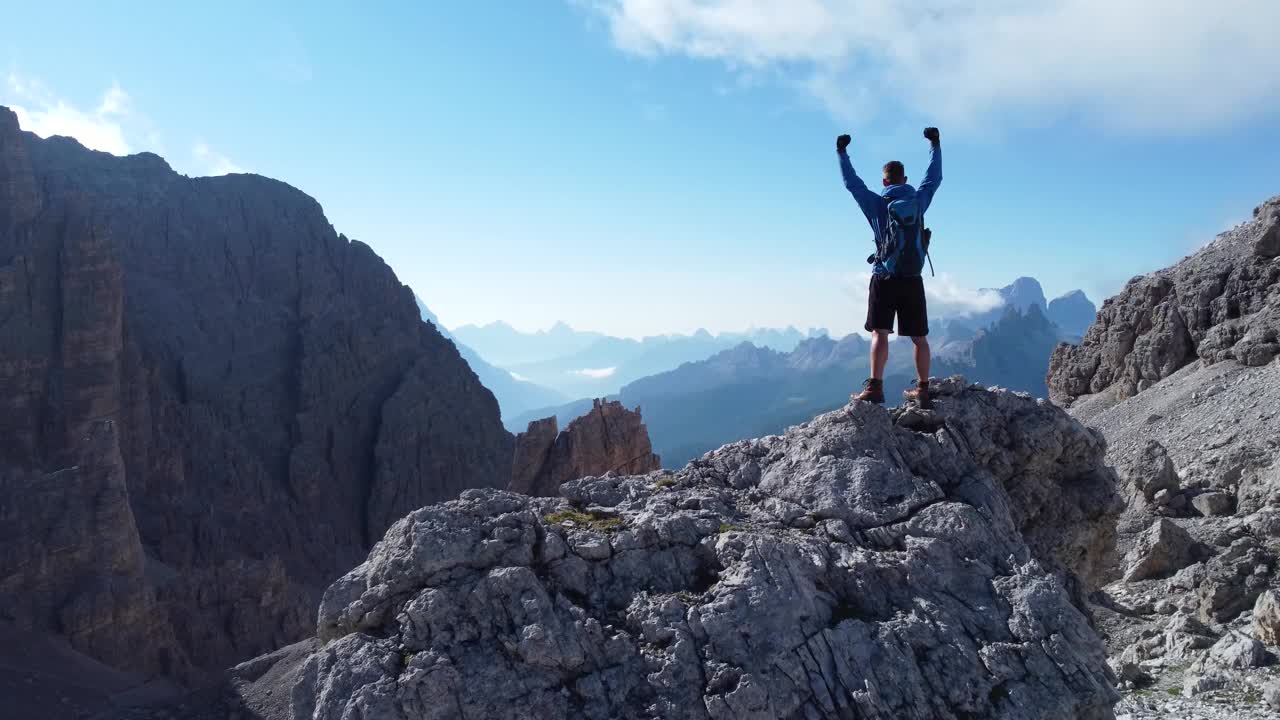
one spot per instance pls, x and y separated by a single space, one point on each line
925 236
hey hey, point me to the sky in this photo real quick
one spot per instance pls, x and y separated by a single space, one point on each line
642 167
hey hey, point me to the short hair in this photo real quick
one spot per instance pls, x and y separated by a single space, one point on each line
894 172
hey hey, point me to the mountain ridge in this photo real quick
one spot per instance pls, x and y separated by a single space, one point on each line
208 397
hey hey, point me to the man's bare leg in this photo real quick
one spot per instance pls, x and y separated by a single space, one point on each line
921 392
879 353
922 358
873 388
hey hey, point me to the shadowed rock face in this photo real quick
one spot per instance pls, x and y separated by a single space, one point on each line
609 438
867 564
210 405
1219 304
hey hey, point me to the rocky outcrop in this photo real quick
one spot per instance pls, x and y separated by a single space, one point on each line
865 564
1222 303
210 403
608 439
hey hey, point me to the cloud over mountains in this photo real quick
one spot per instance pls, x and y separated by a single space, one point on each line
1136 66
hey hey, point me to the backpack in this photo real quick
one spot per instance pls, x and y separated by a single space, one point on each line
902 250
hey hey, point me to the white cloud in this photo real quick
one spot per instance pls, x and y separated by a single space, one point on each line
947 298
112 125
595 373
212 163
114 102
1151 66
44 114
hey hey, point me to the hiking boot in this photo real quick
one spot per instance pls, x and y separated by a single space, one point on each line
919 395
872 391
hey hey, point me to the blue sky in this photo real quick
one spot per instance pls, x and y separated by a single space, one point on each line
648 166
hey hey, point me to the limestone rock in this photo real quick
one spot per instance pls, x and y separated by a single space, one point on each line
609 438
533 450
1181 364
1266 243
1200 683
1154 473
931 581
1271 694
210 405
1266 618
1213 503
1184 635
1237 651
1161 551
1222 303
1233 580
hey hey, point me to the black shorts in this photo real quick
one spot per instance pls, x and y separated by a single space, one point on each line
903 297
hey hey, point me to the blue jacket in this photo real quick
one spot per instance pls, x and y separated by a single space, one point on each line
875 206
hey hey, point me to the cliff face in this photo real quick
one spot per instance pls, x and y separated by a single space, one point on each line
609 438
211 404
870 564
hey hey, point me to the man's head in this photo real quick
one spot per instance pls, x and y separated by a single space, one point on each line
894 173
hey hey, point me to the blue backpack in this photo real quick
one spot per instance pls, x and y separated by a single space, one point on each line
903 248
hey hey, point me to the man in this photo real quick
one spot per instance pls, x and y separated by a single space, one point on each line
896 216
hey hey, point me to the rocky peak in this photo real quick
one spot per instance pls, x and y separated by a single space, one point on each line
608 439
1023 293
864 564
1222 303
1072 313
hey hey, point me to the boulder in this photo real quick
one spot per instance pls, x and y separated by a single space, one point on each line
1160 551
1233 580
1184 636
1212 504
1271 694
1266 618
1194 683
1153 473
1237 651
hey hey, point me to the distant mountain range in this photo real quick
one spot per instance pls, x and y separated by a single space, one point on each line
514 396
580 364
749 390
794 373
1072 312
